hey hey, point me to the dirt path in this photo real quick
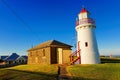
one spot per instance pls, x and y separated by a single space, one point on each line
63 74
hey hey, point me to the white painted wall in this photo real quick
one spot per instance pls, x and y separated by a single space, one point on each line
89 54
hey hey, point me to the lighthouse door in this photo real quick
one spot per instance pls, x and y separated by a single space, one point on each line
59 55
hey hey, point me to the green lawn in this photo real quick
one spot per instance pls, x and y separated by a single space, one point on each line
108 71
110 60
29 72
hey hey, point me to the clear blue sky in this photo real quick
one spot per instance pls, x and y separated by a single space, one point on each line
55 19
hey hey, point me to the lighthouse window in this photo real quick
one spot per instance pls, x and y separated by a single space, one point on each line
86 44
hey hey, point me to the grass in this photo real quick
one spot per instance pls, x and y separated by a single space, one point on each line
108 71
29 72
110 60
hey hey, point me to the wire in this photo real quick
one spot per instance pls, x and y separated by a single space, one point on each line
21 19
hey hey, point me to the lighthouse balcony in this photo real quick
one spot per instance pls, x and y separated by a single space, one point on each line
85 21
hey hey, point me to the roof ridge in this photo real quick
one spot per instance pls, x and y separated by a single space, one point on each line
52 41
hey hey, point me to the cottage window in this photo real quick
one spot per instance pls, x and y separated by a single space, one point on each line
86 44
43 52
19 60
30 53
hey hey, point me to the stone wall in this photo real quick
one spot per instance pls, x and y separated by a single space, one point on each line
47 56
66 54
39 56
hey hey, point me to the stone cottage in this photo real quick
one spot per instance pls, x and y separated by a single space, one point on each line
50 52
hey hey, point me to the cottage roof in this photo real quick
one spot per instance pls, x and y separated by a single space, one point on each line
26 57
3 57
52 43
22 57
12 57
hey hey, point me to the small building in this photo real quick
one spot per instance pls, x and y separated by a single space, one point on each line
21 60
50 52
15 59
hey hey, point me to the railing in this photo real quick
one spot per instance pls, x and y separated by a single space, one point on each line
74 57
85 21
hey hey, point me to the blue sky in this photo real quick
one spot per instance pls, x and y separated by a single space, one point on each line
55 19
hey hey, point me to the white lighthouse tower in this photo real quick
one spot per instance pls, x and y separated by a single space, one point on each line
86 41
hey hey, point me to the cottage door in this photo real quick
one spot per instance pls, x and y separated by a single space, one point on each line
59 55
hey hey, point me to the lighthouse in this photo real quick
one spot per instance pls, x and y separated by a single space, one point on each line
86 40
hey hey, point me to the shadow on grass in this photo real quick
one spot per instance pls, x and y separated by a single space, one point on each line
13 74
81 78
